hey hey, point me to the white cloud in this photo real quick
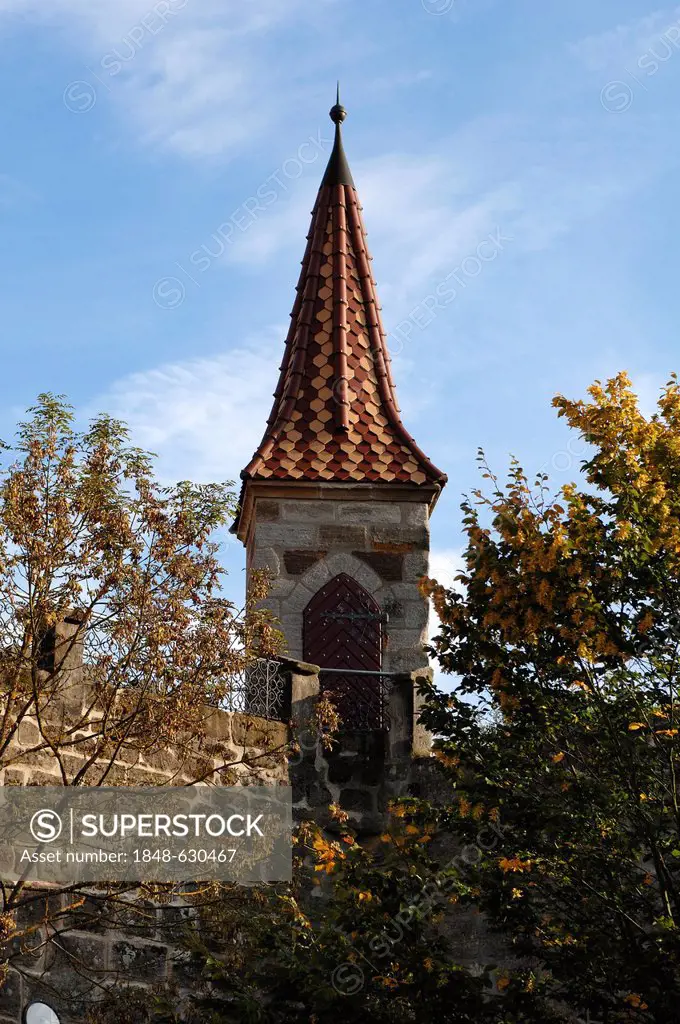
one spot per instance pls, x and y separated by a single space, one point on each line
204 417
626 42
647 387
186 74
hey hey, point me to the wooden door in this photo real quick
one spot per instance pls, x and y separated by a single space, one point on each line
343 629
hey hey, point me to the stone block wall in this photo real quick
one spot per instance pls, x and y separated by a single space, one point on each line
363 772
382 544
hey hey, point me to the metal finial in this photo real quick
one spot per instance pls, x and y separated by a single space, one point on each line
338 112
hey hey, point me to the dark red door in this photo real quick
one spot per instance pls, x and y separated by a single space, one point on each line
342 629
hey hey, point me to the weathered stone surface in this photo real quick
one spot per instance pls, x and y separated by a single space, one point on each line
316 576
404 639
402 538
10 995
267 511
258 732
387 565
143 961
415 566
400 659
28 734
414 615
298 562
310 511
393 609
88 951
281 588
342 536
362 512
415 513
286 535
266 558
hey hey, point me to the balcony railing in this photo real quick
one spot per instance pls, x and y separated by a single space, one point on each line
263 689
360 696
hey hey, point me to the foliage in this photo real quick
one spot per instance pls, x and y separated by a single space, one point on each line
361 933
565 626
101 564
559 748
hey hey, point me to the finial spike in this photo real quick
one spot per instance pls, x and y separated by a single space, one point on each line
338 112
338 171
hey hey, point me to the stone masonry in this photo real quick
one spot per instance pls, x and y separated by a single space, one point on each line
382 544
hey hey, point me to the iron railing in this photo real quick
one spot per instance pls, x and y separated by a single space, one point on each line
360 696
262 689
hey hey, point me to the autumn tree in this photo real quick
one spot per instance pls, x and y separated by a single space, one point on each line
558 749
563 639
358 936
115 634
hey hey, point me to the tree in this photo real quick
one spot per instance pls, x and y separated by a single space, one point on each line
563 636
101 564
370 948
560 747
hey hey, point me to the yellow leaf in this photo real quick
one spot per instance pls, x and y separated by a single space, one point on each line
633 999
636 725
558 757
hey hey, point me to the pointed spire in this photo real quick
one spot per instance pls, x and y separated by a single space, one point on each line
338 172
335 416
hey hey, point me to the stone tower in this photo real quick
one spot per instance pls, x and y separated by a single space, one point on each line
337 498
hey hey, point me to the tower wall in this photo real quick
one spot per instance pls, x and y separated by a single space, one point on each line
382 544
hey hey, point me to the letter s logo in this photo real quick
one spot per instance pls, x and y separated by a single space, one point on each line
46 826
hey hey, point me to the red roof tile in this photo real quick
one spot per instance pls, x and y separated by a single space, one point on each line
335 415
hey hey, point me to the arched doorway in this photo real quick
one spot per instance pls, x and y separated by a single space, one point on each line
343 634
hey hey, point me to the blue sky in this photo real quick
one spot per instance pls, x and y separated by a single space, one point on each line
135 131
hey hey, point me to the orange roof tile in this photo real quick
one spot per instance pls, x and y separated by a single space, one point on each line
335 415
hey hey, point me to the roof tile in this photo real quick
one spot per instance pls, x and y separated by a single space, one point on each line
335 414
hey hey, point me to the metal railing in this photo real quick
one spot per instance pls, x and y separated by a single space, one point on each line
360 696
263 689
